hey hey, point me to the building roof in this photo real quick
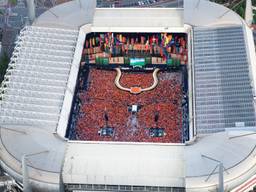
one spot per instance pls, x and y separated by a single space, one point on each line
235 149
75 14
71 15
124 164
35 82
32 96
224 94
41 73
206 13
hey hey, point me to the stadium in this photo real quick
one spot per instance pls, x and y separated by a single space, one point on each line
131 99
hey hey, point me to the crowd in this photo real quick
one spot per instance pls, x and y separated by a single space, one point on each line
157 45
102 98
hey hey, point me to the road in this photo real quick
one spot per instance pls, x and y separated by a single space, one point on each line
176 3
134 3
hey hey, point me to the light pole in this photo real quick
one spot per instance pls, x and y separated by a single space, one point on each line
221 170
25 173
248 12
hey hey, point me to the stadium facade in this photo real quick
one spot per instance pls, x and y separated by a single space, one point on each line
62 100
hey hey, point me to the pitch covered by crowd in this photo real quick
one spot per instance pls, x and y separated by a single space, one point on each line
102 104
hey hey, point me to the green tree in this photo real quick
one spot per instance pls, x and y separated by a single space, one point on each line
4 61
12 2
240 10
237 6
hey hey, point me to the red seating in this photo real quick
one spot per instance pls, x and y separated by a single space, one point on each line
102 95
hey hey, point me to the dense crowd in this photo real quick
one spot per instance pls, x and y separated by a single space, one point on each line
161 45
103 98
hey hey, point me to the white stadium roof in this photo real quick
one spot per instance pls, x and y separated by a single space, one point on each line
125 164
37 95
33 97
74 15
34 90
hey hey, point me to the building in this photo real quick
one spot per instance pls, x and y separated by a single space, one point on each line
51 140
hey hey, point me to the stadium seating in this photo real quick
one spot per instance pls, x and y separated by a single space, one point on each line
159 46
224 97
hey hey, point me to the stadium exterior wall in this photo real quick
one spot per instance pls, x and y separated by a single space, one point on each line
202 15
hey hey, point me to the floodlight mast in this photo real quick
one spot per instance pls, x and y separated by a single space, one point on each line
31 10
249 12
221 170
26 185
221 178
25 173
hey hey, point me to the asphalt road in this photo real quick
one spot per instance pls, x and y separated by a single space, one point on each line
132 3
169 3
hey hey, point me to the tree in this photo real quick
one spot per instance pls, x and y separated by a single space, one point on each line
12 2
239 6
4 61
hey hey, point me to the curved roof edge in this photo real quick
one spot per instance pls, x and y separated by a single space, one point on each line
235 149
205 13
44 151
75 14
72 15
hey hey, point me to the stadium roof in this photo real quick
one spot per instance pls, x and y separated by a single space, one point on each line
125 164
75 14
205 13
35 83
38 93
235 152
34 90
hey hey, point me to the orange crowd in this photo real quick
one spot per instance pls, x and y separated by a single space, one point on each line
102 97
